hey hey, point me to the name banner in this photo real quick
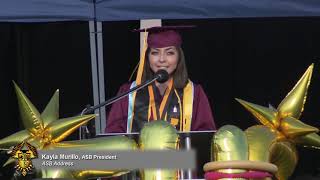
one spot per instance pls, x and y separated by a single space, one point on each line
110 160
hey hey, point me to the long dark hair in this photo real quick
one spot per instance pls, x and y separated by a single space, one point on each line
180 75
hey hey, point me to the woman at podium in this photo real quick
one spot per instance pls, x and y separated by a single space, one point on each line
177 100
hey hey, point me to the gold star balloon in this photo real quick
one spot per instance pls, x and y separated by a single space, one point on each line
285 130
42 129
47 131
285 119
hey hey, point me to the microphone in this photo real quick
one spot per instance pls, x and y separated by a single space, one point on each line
162 76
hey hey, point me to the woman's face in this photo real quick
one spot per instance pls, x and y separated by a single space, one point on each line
164 58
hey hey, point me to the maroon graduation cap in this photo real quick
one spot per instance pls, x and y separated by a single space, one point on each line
164 36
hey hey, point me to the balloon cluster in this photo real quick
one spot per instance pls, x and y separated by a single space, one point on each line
275 140
47 131
284 126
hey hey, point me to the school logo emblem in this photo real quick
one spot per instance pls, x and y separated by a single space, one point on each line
24 152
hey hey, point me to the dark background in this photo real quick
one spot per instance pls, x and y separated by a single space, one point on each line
256 59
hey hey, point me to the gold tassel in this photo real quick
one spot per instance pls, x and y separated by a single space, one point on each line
142 59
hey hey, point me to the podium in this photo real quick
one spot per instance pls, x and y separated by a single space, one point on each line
199 137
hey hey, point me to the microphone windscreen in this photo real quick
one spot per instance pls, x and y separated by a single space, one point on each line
162 76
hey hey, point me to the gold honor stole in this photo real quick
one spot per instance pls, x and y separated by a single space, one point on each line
185 107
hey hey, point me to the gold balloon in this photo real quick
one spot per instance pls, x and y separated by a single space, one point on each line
267 116
235 152
260 139
310 140
30 116
158 135
292 105
14 139
46 131
85 174
54 173
292 128
97 144
229 143
285 129
285 156
284 118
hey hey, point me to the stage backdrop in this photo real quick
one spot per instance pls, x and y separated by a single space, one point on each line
256 59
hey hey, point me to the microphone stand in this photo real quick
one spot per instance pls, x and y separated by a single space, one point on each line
90 108
187 140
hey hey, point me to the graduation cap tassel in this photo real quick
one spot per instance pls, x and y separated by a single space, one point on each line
142 59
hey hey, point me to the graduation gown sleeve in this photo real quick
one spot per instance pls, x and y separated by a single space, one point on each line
202 118
118 115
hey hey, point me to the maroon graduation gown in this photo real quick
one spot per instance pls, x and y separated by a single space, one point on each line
202 118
